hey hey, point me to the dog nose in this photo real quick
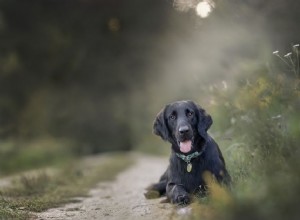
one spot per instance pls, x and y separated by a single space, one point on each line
183 129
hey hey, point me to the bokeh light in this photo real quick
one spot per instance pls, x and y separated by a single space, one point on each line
203 9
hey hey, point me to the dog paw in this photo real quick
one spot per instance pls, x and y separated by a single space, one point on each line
152 194
183 199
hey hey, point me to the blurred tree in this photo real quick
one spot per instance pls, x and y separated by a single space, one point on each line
67 67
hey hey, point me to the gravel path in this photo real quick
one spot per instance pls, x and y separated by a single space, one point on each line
122 198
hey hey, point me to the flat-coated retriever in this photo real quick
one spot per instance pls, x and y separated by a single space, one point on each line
184 124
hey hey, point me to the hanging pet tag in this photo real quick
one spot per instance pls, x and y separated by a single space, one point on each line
189 167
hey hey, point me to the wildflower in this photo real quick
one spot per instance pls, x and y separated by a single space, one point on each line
232 120
246 118
296 45
276 117
276 52
224 85
288 54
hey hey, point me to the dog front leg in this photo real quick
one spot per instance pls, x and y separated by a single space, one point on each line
177 194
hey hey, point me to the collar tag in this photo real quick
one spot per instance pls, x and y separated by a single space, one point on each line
188 159
189 167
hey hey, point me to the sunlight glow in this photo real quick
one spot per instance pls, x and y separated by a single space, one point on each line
203 9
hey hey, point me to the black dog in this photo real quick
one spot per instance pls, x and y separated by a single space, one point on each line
184 124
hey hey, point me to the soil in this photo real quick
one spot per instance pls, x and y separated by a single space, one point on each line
123 198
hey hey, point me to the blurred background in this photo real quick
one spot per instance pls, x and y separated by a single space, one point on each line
89 76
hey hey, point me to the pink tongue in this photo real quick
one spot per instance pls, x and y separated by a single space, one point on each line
185 146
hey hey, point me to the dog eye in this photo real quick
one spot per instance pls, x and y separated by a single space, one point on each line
172 117
190 114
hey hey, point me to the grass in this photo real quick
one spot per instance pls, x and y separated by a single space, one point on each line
39 192
263 187
21 155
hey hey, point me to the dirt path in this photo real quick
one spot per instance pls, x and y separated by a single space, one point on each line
122 198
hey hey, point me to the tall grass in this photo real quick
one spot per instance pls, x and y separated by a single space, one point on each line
260 119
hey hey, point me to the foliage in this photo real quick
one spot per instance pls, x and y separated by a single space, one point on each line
260 115
67 69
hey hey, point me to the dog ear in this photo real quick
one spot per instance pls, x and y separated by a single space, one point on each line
204 122
160 126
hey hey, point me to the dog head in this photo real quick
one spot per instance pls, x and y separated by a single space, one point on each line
184 124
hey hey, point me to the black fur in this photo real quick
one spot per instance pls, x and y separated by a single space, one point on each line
181 121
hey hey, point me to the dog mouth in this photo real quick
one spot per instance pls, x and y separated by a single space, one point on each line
185 146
